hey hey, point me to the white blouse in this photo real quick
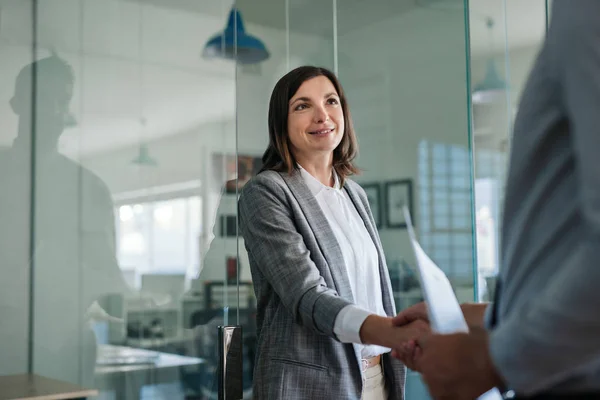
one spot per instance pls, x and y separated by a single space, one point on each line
360 257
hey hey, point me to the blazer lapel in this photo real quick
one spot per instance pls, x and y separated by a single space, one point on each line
386 286
322 231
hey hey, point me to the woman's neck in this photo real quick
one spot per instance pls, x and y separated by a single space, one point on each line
321 169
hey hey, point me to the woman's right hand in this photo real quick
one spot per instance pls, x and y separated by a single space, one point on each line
402 338
383 332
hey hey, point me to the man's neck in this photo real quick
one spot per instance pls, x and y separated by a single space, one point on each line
43 146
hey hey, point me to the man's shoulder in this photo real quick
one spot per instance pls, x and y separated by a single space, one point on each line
93 188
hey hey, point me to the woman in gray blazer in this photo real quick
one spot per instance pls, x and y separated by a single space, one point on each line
324 295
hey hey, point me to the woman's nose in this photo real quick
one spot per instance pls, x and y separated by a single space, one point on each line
320 115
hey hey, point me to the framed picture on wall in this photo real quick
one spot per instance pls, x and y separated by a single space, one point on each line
236 170
247 167
232 267
397 195
373 191
228 226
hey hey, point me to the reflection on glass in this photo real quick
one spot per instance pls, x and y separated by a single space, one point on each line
157 238
69 229
506 36
111 193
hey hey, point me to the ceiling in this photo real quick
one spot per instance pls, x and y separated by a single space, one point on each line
305 16
518 23
140 60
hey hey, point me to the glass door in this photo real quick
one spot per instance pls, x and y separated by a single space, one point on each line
119 153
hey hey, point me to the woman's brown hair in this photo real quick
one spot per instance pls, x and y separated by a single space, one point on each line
278 156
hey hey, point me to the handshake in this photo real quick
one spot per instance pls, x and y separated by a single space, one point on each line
456 366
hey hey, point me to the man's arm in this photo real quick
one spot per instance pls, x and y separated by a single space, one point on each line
557 336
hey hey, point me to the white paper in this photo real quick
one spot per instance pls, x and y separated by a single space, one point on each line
443 309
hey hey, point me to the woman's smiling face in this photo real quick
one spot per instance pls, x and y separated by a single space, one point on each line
315 118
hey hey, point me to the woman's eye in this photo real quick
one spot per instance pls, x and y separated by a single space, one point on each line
300 107
332 101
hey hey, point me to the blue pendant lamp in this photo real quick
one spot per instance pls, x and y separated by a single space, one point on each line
493 86
235 44
144 158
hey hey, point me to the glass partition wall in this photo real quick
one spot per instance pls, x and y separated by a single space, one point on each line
129 127
404 66
119 141
504 40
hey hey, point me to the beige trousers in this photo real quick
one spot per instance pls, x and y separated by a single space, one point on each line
374 385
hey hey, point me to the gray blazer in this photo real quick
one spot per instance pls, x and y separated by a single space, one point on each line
546 318
301 284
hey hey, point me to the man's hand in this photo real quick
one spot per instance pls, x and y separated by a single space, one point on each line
410 351
412 313
457 366
474 313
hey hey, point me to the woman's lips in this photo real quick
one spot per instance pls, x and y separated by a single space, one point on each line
321 131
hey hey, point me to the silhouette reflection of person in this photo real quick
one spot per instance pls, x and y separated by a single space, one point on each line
56 218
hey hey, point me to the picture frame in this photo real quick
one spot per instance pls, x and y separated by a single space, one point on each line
235 170
247 167
228 226
397 194
373 191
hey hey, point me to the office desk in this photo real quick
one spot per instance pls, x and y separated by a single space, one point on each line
127 380
35 387
180 340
